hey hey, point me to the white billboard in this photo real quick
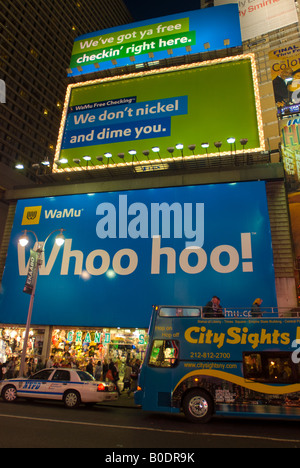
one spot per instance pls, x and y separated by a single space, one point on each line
259 17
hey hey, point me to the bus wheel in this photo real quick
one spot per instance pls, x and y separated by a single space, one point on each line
198 406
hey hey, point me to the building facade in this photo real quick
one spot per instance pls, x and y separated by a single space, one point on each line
36 44
64 336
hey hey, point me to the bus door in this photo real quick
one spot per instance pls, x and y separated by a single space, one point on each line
158 375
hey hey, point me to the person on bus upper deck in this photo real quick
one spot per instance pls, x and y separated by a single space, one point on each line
213 308
255 310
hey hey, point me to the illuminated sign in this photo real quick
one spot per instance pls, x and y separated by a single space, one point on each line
157 39
154 117
285 66
130 249
152 167
260 17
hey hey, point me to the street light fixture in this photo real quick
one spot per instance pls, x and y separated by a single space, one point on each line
231 141
60 239
156 150
179 146
205 146
38 254
218 145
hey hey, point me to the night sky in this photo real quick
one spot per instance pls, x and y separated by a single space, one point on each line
142 10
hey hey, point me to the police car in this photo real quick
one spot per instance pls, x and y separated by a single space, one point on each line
72 386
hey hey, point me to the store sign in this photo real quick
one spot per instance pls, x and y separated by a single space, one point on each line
263 16
130 250
157 39
130 116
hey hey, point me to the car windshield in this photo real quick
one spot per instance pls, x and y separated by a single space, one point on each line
85 376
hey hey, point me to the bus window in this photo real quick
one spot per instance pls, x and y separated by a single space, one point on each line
297 372
164 353
280 370
180 312
252 366
269 367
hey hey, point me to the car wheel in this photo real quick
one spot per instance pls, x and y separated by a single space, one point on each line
71 399
198 406
9 394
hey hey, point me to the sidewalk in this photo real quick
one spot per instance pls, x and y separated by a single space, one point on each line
124 401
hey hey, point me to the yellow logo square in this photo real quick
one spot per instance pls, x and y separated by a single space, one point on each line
31 215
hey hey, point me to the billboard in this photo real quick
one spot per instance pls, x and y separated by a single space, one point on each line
290 148
157 39
125 251
285 74
259 17
119 120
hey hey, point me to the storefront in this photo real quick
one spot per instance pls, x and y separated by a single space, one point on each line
76 346
69 347
12 341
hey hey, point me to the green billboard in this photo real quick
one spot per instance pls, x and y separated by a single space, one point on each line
143 117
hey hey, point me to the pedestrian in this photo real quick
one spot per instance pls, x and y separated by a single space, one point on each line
98 371
115 375
89 368
39 365
50 362
127 378
4 370
255 310
30 367
213 308
72 363
17 368
10 368
134 377
104 369
26 367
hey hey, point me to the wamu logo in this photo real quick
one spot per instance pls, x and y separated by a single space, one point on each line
2 92
296 353
31 215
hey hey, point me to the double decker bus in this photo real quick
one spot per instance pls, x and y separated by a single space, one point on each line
239 366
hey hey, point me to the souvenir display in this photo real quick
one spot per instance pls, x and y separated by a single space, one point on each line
76 347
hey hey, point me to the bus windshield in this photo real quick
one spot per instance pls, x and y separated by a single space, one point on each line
180 312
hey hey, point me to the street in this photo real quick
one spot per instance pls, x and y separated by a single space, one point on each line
49 425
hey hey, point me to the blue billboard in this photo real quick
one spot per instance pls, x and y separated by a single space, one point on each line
190 32
125 251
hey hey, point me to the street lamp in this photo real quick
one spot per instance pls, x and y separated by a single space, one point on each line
34 265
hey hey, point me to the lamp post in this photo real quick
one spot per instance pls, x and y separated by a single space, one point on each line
39 251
